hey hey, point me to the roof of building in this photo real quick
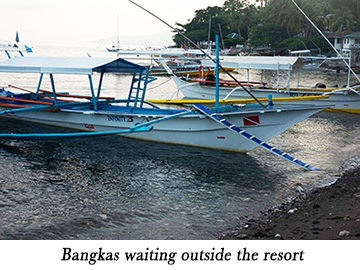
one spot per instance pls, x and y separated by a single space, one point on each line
339 34
355 35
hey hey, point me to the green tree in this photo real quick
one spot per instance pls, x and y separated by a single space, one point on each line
325 15
284 13
344 20
234 11
268 35
198 28
272 17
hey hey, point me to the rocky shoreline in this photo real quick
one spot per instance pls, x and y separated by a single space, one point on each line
330 212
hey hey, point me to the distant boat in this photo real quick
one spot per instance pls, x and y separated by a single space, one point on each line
7 48
113 49
310 61
117 47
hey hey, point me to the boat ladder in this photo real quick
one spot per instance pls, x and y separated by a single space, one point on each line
138 85
253 139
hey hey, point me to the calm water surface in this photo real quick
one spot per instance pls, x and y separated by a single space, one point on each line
119 188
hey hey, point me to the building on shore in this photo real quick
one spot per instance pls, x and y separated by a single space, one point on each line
349 41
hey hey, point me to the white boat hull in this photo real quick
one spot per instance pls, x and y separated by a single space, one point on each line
337 101
193 130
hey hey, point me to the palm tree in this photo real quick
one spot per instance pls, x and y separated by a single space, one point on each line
235 9
325 15
345 20
283 13
357 3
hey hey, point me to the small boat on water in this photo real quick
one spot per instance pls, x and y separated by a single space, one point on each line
311 62
341 99
7 48
235 128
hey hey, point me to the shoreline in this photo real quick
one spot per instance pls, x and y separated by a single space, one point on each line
324 213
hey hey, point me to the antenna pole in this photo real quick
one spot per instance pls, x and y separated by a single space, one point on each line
195 45
217 90
209 34
118 38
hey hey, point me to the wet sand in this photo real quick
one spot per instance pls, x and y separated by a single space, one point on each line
331 212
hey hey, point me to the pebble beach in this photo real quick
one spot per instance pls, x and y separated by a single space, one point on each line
326 213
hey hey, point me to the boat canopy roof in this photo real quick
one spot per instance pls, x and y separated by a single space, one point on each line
164 52
300 51
68 65
257 62
152 52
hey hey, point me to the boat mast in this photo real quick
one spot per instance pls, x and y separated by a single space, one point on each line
221 36
217 90
118 39
209 34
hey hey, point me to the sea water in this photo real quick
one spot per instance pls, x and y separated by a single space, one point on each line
120 188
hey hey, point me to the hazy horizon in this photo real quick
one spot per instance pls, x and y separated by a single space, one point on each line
53 21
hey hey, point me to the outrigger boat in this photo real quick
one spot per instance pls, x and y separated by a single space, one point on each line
342 99
234 128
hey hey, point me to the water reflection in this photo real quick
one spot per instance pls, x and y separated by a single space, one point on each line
129 187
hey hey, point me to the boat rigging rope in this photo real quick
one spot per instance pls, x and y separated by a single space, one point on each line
160 84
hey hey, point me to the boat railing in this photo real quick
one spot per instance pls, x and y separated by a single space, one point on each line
283 74
179 88
231 92
354 90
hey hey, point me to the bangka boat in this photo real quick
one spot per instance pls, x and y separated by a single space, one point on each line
7 48
234 128
311 62
342 99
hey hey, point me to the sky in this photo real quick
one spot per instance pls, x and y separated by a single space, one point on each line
53 21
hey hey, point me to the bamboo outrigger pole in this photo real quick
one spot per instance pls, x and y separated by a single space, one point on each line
194 44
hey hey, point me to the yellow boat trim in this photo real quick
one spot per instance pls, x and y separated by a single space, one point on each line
327 90
354 111
235 101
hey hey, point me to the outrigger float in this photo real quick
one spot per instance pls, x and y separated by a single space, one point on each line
233 127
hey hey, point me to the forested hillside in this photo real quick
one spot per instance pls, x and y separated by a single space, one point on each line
272 23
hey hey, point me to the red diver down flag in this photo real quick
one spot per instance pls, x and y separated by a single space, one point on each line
251 120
